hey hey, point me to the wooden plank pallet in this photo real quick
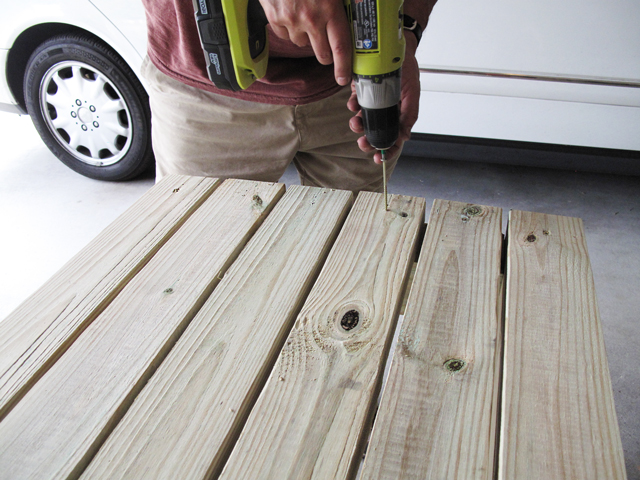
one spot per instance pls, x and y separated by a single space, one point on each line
234 330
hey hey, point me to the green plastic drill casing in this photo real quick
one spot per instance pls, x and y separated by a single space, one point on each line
234 40
379 46
378 39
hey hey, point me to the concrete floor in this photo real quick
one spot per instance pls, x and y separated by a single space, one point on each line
48 213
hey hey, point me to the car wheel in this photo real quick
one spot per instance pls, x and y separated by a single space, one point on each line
89 107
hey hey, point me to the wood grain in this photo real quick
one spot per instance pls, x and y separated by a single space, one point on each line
60 423
204 390
43 327
314 413
558 416
438 413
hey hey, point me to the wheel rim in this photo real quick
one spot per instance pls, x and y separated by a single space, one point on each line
86 113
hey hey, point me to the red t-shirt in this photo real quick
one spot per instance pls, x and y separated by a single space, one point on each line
294 76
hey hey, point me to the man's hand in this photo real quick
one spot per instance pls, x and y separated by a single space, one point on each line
320 23
409 102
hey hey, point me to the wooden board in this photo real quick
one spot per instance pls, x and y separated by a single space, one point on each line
314 413
204 390
558 418
43 327
438 411
60 423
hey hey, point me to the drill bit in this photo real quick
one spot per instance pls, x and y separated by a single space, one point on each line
384 178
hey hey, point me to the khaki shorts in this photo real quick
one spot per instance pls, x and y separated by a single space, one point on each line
196 132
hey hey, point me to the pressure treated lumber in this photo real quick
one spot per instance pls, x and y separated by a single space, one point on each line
187 417
314 413
558 416
43 327
438 412
60 423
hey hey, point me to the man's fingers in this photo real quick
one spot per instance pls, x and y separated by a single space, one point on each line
321 47
390 153
280 32
355 124
352 103
340 41
364 145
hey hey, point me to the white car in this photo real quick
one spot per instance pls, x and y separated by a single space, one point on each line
73 66
547 72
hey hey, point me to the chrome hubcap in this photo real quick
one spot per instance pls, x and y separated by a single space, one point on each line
86 113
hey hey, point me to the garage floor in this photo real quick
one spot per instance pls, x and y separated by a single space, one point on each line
48 213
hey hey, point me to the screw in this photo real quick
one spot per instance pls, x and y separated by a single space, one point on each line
74 114
84 127
92 108
78 102
95 124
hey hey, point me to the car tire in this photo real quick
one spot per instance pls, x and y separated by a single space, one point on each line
89 108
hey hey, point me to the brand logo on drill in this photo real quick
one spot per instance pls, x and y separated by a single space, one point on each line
213 58
203 7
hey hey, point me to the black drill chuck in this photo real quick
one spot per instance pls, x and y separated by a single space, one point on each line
379 98
381 126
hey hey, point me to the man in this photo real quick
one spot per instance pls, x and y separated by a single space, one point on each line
301 111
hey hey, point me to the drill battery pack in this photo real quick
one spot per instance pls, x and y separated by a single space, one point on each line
234 40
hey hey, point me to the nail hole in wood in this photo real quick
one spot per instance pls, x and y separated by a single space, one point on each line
168 290
350 320
531 238
404 214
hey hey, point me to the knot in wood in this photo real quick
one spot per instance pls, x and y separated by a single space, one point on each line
531 238
472 211
454 364
350 320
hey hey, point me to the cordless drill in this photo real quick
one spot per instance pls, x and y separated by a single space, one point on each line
234 40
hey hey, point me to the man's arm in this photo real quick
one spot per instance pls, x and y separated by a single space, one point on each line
323 25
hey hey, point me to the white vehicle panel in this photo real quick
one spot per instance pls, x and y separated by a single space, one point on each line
529 120
5 94
571 38
79 13
549 72
129 18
